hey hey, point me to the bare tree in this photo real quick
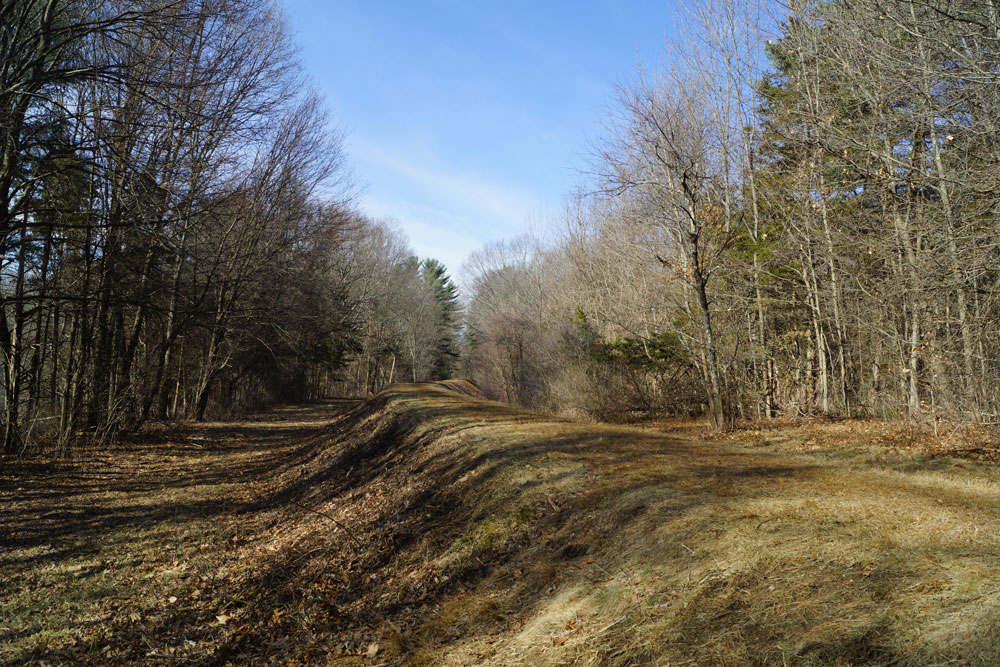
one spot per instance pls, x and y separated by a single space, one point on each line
666 159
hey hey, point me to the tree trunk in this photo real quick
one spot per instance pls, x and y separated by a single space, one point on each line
717 405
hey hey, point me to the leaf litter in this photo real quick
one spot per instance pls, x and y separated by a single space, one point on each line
424 526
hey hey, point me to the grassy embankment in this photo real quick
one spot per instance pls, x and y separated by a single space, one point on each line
429 527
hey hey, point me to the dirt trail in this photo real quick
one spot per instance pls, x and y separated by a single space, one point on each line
94 551
428 527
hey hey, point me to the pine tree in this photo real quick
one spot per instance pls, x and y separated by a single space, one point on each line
445 294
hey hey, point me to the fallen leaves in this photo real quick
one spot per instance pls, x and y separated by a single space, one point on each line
136 550
237 580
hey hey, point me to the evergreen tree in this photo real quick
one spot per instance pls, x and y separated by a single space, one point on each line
445 294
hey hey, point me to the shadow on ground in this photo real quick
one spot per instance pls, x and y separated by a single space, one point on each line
426 526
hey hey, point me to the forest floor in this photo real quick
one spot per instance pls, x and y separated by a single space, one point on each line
425 526
963 441
121 555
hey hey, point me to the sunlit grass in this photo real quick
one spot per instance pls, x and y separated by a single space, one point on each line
428 527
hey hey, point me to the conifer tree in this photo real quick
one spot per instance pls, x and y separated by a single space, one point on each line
445 295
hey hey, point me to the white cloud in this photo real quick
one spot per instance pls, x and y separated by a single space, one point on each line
446 214
485 210
432 233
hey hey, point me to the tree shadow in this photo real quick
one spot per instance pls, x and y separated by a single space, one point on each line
418 500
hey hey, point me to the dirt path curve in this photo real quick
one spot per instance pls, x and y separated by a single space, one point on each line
106 551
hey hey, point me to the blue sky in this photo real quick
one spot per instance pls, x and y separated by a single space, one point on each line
466 120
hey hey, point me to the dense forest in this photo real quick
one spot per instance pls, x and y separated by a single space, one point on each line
178 233
796 216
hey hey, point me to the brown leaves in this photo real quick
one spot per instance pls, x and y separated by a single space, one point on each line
568 630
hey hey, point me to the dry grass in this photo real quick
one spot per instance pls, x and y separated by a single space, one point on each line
966 441
429 527
119 556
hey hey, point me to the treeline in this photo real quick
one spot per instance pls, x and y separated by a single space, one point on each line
797 216
178 240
